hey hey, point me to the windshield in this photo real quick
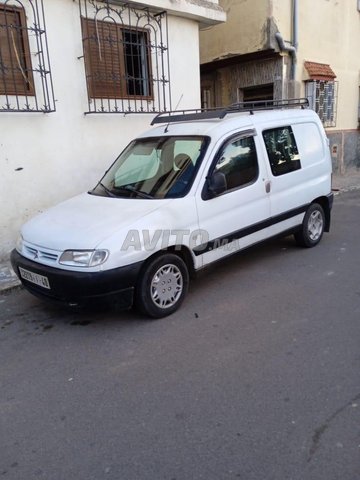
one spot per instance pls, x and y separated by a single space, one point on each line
162 167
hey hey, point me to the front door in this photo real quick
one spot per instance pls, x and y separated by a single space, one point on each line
236 218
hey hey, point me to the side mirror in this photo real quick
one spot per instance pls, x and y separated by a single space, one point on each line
217 184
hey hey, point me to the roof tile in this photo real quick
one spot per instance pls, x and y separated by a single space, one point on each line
319 71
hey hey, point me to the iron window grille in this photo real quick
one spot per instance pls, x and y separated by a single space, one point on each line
323 96
126 57
25 74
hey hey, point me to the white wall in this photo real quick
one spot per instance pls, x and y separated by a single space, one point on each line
63 153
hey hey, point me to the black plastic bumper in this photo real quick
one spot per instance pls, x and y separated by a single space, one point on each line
114 286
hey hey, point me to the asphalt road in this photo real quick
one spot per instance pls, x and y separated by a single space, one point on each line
255 378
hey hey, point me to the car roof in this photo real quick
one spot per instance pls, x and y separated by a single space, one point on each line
218 127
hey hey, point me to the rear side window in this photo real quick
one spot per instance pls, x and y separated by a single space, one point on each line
282 150
238 162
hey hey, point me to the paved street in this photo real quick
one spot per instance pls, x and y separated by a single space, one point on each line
255 378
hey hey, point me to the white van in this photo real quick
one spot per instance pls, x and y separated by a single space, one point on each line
183 195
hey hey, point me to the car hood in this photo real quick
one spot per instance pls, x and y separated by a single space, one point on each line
84 221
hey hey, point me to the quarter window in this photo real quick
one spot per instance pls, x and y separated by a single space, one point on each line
238 162
282 150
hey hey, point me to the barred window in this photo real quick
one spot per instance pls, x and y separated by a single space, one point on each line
25 74
117 60
322 96
126 57
15 64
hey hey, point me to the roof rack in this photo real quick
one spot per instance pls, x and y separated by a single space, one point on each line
269 105
193 114
219 113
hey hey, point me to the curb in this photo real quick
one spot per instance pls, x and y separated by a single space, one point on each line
8 279
338 191
4 290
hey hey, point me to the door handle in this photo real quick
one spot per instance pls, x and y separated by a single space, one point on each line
267 186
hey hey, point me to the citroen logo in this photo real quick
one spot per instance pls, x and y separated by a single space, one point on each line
36 255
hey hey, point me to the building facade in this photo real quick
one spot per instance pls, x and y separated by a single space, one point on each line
278 49
78 80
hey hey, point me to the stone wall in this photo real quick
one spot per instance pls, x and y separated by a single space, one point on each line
345 150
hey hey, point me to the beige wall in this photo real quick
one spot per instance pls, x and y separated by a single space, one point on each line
281 11
243 32
329 32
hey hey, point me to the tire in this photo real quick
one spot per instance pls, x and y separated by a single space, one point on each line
162 286
312 228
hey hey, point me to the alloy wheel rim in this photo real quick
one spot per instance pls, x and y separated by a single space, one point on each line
167 286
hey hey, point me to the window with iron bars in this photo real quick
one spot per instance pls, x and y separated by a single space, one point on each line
322 96
25 76
126 58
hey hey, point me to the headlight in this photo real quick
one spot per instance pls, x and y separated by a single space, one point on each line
19 243
83 258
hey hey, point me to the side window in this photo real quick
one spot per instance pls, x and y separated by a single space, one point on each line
282 150
238 162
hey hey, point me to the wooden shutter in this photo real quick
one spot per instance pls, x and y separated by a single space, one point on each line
104 59
15 64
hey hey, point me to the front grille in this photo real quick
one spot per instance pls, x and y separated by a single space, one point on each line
32 252
40 254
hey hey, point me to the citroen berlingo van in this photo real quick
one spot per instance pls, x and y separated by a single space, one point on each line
197 187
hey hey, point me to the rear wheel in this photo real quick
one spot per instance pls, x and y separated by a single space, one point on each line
312 228
162 286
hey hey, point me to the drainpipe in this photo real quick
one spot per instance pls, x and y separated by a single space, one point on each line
291 49
295 24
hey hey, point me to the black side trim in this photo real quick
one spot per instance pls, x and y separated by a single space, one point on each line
244 232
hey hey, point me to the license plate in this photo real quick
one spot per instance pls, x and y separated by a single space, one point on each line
34 278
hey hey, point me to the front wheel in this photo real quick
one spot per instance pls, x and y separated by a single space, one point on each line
162 286
312 228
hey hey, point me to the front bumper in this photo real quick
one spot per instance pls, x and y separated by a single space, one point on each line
115 287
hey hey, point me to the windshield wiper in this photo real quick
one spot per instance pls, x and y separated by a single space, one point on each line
130 188
107 190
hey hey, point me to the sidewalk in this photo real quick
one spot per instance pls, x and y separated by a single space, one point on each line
8 279
341 183
349 181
